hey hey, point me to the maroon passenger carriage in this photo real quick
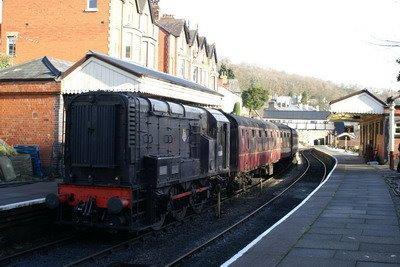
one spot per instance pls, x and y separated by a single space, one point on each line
256 145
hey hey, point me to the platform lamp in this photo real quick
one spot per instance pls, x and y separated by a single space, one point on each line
392 128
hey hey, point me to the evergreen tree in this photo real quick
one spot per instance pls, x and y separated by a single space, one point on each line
254 97
304 97
237 109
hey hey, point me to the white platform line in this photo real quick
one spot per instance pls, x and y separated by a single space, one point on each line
22 204
255 241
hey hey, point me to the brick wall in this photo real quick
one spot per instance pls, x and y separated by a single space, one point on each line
163 45
61 29
29 115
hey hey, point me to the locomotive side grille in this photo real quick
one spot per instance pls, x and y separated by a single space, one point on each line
132 125
93 136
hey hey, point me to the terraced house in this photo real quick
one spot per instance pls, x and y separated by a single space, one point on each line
186 54
68 29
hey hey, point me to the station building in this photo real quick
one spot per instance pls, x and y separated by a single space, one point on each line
372 115
30 97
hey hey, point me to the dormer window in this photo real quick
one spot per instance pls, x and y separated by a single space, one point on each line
91 5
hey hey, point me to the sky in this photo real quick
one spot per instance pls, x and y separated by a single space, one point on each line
335 40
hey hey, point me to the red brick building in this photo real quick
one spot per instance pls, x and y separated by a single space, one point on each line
68 29
63 29
30 105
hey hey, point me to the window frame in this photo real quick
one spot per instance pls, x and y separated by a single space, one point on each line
128 47
8 44
92 9
397 129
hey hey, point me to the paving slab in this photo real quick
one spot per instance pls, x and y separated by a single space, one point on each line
350 221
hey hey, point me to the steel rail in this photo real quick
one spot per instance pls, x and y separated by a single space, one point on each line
200 247
16 255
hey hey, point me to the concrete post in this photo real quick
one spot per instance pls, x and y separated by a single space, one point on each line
392 131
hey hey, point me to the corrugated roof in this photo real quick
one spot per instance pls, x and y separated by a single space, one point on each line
45 68
141 71
296 115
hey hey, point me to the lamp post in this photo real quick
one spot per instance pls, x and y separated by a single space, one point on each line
392 129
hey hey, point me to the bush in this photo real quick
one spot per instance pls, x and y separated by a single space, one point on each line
4 61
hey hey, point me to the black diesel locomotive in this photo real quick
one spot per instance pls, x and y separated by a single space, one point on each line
131 160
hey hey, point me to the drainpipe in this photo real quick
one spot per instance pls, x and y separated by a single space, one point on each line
122 29
391 132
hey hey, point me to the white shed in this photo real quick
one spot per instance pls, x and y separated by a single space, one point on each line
101 72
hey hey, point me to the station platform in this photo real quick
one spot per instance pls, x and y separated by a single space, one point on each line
25 195
350 220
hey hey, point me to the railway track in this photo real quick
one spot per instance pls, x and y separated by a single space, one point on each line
93 257
311 170
121 245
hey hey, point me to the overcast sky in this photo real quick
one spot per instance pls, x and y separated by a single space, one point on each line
329 39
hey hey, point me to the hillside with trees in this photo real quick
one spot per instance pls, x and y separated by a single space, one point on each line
314 91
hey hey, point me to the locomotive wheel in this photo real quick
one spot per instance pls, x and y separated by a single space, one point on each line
196 201
178 209
158 225
179 214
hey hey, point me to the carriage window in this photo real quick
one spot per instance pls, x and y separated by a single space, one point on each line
159 105
176 108
259 133
254 133
242 131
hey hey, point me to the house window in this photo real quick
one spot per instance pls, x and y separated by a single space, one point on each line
136 49
145 53
11 46
128 51
214 83
145 23
151 56
182 68
128 45
195 74
92 4
129 14
398 129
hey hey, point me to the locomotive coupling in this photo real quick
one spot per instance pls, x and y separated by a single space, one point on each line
52 201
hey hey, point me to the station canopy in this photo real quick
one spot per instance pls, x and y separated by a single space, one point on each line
356 106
